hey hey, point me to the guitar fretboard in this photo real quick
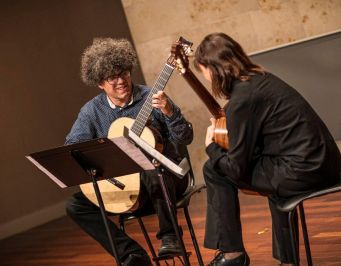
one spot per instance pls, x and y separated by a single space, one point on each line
146 110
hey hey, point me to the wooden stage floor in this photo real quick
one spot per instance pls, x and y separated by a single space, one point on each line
62 243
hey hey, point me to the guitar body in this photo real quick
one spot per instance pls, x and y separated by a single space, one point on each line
116 200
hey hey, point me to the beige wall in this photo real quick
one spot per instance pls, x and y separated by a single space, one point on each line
256 24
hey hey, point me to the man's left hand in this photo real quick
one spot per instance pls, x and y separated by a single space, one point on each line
160 101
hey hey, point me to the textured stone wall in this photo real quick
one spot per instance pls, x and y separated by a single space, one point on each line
256 24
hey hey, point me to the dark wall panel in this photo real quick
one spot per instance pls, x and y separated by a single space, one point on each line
313 68
41 92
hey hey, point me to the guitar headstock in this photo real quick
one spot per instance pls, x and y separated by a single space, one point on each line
180 51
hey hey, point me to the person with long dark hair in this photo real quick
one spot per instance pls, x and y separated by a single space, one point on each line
278 147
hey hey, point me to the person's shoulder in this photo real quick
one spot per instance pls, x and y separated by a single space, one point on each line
95 102
142 88
273 78
276 83
273 88
141 91
249 90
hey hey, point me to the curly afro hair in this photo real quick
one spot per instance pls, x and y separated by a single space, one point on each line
105 57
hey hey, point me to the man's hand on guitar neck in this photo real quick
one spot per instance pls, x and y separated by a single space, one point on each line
160 101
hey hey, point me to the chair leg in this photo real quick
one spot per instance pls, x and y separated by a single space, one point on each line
172 214
305 235
293 241
194 239
149 242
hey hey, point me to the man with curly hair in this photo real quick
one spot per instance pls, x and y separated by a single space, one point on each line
107 64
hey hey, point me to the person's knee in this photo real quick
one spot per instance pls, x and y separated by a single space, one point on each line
73 206
154 188
70 206
208 171
213 178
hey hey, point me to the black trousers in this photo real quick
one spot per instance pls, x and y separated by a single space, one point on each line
223 225
87 215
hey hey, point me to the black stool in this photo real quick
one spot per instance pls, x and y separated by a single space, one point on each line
290 206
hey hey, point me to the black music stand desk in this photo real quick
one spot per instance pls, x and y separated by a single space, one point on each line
90 161
104 158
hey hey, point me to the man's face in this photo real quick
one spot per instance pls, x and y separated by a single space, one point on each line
118 88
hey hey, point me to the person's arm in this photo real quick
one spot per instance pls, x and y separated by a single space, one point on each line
179 129
173 124
243 127
82 129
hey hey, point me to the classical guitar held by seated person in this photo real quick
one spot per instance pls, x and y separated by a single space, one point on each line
220 132
115 199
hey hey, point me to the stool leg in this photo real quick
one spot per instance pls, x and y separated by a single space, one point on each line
293 233
305 235
194 239
149 242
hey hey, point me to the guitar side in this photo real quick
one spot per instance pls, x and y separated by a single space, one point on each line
220 133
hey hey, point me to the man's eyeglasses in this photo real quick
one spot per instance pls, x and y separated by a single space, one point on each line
114 78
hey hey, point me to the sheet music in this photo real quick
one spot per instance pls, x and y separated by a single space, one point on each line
180 169
134 153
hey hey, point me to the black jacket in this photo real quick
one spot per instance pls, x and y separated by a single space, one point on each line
272 130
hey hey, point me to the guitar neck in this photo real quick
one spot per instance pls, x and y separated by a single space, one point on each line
147 107
212 105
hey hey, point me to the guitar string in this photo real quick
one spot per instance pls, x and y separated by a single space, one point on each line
146 109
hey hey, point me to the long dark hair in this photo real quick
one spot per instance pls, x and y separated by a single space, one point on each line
226 60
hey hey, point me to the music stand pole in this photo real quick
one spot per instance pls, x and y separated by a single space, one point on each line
79 157
171 210
180 169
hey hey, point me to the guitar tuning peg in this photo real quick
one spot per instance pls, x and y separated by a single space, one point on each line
191 54
180 67
181 70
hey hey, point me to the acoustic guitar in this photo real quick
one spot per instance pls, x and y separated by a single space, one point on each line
220 132
127 200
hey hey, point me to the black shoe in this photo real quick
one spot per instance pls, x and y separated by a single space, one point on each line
169 246
219 260
137 259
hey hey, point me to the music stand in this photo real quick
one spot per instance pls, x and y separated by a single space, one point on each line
90 161
180 170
